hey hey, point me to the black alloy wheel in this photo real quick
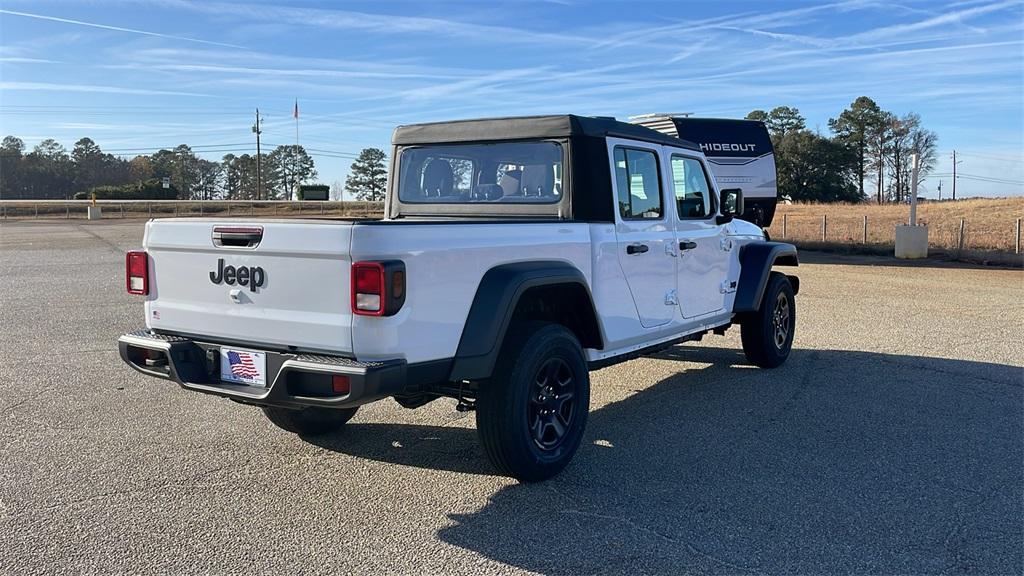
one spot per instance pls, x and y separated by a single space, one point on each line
552 404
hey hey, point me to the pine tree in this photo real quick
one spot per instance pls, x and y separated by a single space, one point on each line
368 175
294 167
780 121
854 127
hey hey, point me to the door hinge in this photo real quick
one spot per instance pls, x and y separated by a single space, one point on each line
728 286
671 298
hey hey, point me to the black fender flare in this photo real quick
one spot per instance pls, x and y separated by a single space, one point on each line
756 261
493 306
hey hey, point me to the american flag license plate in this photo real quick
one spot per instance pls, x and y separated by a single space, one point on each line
243 367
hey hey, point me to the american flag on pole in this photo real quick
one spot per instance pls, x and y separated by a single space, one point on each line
242 365
295 114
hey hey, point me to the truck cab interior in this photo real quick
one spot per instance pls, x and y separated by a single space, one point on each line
508 172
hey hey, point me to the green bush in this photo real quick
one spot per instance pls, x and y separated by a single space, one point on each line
152 189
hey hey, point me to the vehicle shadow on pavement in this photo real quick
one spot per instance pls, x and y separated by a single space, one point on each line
839 461
436 447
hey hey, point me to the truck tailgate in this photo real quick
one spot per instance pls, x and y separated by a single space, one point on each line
270 282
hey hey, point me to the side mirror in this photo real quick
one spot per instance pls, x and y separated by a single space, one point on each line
731 204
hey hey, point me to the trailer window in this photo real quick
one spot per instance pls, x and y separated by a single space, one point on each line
500 172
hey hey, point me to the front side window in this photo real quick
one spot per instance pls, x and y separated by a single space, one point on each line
637 184
692 189
500 172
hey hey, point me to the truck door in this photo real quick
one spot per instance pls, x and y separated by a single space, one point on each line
703 248
643 230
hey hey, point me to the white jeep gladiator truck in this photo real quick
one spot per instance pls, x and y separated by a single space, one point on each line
515 255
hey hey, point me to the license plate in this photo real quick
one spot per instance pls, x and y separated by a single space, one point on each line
243 367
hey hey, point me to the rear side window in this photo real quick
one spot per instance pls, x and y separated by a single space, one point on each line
637 184
496 172
692 189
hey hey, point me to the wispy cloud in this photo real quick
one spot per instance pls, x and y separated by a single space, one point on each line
797 38
115 28
495 81
389 24
63 87
255 64
954 17
753 22
24 60
687 52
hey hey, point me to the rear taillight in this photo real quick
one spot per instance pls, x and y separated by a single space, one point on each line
136 264
378 288
368 288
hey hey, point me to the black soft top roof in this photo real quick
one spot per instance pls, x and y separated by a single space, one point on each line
528 128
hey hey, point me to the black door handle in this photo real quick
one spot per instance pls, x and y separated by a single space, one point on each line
687 245
636 248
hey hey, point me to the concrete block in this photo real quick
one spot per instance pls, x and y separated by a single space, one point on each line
94 213
911 242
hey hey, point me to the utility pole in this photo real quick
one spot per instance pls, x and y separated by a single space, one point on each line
256 130
881 172
940 190
954 174
913 191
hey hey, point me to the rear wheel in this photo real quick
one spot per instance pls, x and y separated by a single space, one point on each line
530 416
309 421
767 334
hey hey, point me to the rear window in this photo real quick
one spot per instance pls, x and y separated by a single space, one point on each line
501 172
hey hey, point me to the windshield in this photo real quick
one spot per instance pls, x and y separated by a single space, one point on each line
503 172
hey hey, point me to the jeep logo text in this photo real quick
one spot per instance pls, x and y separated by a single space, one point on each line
252 276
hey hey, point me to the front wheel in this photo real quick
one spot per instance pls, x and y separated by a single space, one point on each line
530 416
767 334
309 421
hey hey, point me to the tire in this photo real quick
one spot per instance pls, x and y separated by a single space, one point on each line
309 421
767 334
531 414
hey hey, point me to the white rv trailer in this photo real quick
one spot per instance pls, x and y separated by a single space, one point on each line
739 153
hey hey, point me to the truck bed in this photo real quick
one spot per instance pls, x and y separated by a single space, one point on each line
304 305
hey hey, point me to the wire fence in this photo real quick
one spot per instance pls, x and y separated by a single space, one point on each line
847 228
115 209
957 235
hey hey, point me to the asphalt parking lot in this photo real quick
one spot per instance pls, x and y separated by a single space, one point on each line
891 442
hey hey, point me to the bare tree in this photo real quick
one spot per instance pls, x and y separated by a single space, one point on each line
908 137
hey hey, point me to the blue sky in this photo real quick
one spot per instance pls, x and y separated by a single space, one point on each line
136 76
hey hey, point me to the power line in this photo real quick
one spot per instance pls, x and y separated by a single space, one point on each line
992 177
193 147
324 152
991 157
976 177
992 180
225 148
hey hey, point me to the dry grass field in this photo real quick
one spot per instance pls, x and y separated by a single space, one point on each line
989 224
